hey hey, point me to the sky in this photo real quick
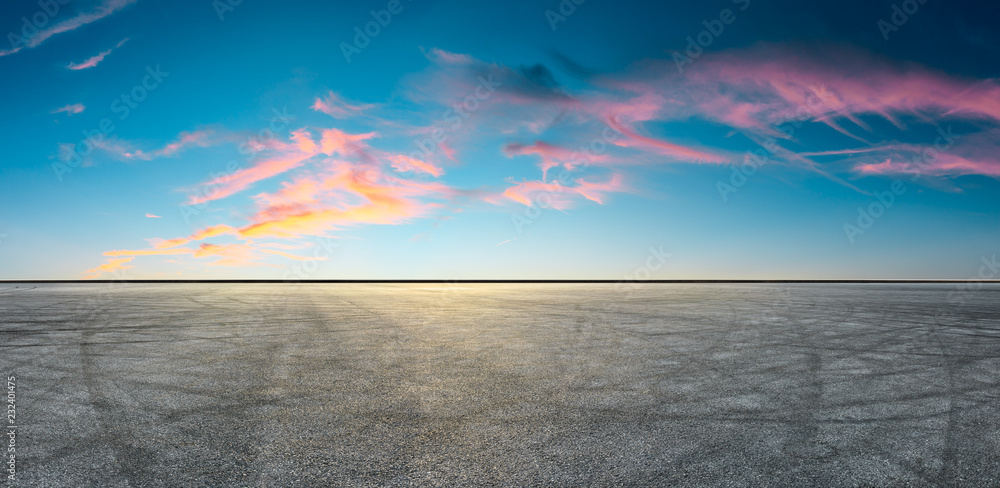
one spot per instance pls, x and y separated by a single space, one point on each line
573 139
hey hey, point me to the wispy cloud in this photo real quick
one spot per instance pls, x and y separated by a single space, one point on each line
198 138
105 9
151 216
285 157
552 155
561 197
402 162
108 267
337 107
71 109
93 61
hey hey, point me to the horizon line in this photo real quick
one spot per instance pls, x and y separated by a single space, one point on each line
539 281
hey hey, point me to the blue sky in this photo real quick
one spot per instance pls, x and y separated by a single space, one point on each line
151 139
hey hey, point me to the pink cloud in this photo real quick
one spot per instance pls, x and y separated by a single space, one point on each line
560 197
335 106
151 216
199 138
759 87
286 157
551 155
70 109
406 163
633 139
93 61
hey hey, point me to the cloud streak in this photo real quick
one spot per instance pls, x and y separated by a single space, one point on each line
337 107
105 9
93 61
71 109
110 266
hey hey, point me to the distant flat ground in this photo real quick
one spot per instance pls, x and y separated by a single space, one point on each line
447 384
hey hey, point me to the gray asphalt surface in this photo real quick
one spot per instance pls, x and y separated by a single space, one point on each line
503 384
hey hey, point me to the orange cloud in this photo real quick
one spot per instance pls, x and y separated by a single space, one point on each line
208 232
149 252
110 266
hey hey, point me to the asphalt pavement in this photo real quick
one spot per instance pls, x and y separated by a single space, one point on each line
451 384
